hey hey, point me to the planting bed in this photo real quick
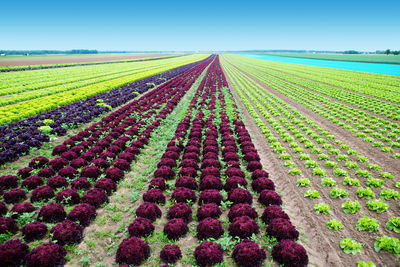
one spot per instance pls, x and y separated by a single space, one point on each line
324 164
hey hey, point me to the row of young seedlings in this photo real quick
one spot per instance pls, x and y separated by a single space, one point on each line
319 82
205 134
371 104
96 157
296 123
267 109
370 129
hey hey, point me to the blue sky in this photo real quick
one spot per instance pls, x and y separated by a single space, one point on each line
200 25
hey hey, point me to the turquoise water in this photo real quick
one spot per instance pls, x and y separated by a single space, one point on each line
390 69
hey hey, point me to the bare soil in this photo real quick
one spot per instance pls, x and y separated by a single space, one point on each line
26 60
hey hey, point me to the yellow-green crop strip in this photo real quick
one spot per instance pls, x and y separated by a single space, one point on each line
58 94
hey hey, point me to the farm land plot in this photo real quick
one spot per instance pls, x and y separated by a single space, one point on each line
70 59
322 161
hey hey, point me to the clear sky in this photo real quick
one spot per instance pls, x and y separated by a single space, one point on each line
200 25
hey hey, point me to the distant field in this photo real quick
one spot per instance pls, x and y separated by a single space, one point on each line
391 59
62 59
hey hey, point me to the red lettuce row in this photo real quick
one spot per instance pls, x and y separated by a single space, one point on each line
17 138
110 137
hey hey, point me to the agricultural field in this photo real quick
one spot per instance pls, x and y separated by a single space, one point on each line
198 160
379 58
17 61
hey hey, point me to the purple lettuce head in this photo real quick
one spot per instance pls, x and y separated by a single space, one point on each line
69 196
23 207
210 182
262 183
259 173
240 195
269 197
183 194
95 197
8 181
210 196
157 182
91 172
186 181
32 182
14 196
282 229
234 182
57 182
107 185
164 172
248 254
209 227
132 251
170 254
34 231
273 212
78 163
42 193
208 254
114 174
243 227
290 254
46 255
82 213
58 163
13 252
154 195
175 228
24 172
68 172
141 227
148 210
67 232
7 224
38 162
208 210
80 183
46 172
52 213
180 210
242 209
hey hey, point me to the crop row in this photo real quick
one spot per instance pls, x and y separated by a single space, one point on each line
375 85
212 154
80 178
19 138
370 129
286 129
19 82
52 66
377 106
32 107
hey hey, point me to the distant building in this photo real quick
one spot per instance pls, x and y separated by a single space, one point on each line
2 55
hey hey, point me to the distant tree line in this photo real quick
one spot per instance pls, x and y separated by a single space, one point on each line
42 52
389 52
